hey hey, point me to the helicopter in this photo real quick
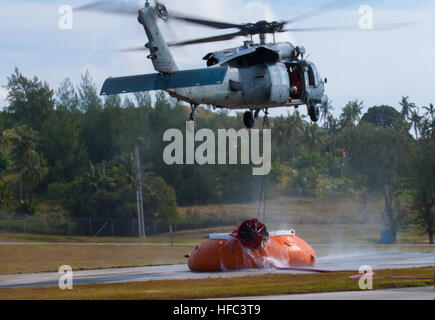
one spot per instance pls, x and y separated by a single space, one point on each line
252 77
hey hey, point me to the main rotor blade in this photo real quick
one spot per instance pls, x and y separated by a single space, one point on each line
377 27
110 7
205 40
135 49
204 22
335 5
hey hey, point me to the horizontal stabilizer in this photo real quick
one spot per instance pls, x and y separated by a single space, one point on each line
158 81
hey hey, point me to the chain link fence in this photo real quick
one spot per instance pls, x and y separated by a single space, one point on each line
108 227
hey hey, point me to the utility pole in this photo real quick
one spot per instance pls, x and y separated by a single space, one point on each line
140 217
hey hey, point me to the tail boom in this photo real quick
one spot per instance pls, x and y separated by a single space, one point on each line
160 54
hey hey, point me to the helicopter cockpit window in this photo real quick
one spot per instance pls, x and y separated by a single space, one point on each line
311 77
212 61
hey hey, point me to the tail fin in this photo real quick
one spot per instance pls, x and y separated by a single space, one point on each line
160 54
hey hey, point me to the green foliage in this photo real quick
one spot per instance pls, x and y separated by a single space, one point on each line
27 207
377 161
6 197
4 162
340 187
325 110
382 116
62 145
108 190
304 182
30 101
28 160
406 106
421 185
351 114
102 191
159 200
67 97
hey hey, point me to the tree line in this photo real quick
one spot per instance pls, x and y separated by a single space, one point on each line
71 148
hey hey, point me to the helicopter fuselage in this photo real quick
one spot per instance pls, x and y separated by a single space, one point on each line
259 76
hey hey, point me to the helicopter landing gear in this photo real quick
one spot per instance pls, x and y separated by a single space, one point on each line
192 114
314 112
248 119
250 116
266 118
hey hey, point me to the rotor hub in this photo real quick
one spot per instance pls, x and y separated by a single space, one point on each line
262 27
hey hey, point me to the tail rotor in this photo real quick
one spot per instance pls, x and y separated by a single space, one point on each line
161 11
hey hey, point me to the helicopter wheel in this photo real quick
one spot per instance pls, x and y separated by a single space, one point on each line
248 119
314 112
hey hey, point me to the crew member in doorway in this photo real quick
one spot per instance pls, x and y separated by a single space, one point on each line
295 84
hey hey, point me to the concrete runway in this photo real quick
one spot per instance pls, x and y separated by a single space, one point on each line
377 260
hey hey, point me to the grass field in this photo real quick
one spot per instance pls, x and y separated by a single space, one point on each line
29 259
295 210
221 288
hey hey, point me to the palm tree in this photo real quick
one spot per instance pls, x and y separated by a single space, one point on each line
281 133
4 143
425 128
356 107
98 179
24 142
430 111
34 170
312 137
333 127
295 124
406 106
351 113
416 119
325 110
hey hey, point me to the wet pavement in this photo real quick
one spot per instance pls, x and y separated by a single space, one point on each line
348 261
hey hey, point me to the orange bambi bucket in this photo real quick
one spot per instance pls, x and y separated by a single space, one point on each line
257 250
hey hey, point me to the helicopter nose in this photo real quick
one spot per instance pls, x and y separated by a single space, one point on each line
139 18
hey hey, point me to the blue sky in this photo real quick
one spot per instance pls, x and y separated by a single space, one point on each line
376 67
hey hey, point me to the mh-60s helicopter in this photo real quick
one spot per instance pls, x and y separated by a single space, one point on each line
254 77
